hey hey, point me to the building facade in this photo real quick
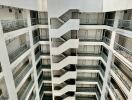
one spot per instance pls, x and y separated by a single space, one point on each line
65 50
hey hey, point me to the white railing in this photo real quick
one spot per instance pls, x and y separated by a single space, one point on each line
122 77
11 25
13 55
106 40
84 21
109 22
36 39
39 21
19 78
28 88
125 24
123 51
114 91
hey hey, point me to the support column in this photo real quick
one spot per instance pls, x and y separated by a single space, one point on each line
110 55
32 55
6 68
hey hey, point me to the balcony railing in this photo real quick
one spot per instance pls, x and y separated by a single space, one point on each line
44 38
43 21
36 39
123 51
122 77
86 89
19 78
125 24
33 96
39 21
37 55
114 91
109 22
28 88
84 21
42 67
103 55
17 53
106 40
90 40
11 25
40 80
86 98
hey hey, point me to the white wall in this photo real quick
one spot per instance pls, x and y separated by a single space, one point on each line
26 4
58 7
113 5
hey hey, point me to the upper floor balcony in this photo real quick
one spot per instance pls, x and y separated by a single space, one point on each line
39 18
91 18
94 35
125 24
109 18
123 46
13 24
3 90
126 21
17 46
13 19
21 70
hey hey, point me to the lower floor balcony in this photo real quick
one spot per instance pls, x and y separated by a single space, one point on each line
22 94
123 51
115 92
122 77
22 74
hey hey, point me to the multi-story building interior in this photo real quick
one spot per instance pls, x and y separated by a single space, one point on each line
65 50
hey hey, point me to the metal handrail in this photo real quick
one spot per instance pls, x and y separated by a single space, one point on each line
113 90
109 22
123 51
37 55
27 90
85 21
125 24
17 53
22 74
121 76
36 39
11 25
103 55
106 40
37 21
